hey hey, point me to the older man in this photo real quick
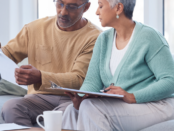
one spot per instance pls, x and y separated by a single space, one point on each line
59 49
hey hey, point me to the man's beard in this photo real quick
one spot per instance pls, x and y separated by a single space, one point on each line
71 23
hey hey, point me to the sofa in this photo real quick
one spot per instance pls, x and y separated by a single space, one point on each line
3 99
164 126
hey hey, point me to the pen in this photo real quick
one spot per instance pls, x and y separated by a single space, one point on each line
107 90
112 84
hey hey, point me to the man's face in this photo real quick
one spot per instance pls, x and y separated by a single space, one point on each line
68 13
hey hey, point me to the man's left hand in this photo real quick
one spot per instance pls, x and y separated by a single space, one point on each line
27 75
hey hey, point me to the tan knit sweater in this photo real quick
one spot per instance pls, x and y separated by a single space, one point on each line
62 57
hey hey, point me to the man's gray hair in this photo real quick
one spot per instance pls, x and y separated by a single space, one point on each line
128 6
85 0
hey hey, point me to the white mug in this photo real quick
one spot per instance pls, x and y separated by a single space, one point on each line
52 120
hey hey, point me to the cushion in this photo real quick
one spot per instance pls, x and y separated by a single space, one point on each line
3 99
7 88
9 91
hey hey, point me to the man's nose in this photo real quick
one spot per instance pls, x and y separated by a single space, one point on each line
64 11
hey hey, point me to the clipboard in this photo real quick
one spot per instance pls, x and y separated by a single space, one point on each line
58 88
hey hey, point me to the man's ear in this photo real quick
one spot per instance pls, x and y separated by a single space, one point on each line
87 6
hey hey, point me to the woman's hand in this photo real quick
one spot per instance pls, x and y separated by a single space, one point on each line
128 97
76 99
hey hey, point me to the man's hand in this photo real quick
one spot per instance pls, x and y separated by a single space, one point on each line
128 97
27 75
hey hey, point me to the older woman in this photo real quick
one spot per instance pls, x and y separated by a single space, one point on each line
137 59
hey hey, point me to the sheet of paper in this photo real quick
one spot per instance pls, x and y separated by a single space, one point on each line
7 69
11 126
55 87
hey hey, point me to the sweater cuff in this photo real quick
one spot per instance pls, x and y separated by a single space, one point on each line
137 97
44 82
7 53
141 97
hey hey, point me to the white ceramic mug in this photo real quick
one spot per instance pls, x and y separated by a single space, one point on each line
52 120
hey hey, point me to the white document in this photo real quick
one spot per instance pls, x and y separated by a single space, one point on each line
11 126
7 69
58 88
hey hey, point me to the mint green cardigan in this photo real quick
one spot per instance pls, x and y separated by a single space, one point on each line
146 70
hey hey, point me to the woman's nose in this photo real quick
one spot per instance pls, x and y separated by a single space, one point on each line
97 12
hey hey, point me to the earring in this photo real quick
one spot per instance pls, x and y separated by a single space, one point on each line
117 17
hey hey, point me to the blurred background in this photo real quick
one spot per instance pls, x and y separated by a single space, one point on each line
14 14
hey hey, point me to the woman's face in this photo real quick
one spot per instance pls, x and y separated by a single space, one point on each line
107 15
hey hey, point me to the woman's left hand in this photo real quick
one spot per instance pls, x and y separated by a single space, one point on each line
128 97
76 99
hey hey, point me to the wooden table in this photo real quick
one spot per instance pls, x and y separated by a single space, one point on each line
38 129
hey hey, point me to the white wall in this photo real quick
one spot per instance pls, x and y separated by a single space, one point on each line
153 14
4 21
14 14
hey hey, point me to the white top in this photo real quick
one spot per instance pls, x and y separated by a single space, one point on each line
117 55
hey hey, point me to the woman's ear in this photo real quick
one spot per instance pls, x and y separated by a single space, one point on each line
119 8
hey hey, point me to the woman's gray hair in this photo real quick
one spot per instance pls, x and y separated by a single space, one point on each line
128 6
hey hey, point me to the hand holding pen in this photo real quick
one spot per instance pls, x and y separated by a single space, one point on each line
128 97
106 90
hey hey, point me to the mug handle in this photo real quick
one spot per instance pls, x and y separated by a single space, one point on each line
39 122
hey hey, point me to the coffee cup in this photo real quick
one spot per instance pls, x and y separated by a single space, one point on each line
52 120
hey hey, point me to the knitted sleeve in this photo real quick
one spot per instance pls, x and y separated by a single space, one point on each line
162 65
93 80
